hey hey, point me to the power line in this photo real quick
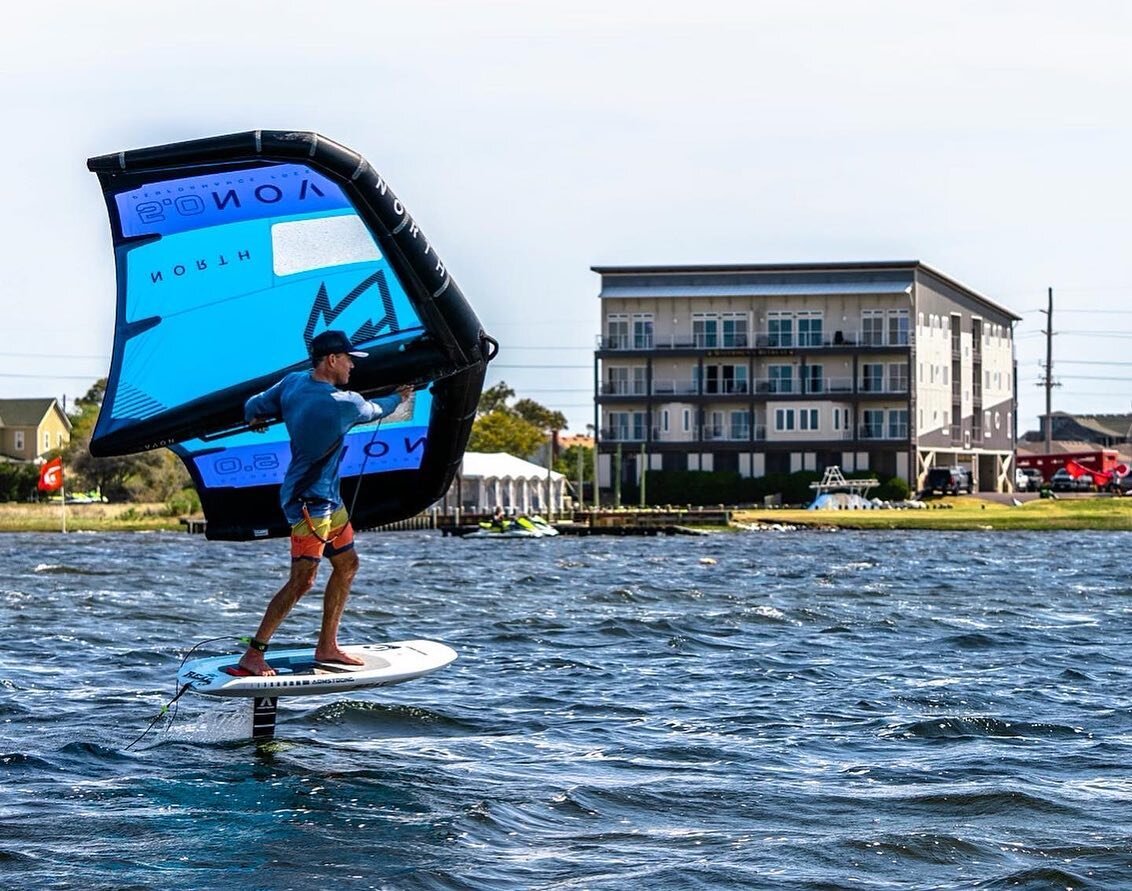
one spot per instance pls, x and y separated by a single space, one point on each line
55 377
54 357
1091 377
1089 362
520 367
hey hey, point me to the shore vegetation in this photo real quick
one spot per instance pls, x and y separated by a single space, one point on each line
969 513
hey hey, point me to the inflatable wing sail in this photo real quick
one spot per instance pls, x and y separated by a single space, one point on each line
232 253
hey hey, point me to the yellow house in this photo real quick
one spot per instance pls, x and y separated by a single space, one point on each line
30 428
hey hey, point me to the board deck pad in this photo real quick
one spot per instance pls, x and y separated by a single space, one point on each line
298 674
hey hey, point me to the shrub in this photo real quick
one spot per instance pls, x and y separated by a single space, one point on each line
187 501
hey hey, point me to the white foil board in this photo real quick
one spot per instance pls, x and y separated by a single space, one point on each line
298 674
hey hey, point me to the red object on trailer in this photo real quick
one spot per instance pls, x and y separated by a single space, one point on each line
1094 461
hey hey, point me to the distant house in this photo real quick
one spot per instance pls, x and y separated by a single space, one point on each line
1109 430
30 428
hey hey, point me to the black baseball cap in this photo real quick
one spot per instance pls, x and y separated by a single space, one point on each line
330 342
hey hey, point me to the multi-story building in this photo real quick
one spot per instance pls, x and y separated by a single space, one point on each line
888 367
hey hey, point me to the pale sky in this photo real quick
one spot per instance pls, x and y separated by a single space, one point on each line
531 141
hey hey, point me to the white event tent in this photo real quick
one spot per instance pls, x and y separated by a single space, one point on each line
495 479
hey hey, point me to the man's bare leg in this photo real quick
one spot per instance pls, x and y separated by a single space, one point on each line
300 581
345 567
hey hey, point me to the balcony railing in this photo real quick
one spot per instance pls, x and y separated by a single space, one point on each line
747 340
763 387
731 433
626 434
624 388
674 388
883 388
873 431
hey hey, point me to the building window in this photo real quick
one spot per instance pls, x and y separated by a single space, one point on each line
664 420
783 419
809 328
687 419
714 428
642 331
898 377
808 419
18 440
735 327
740 425
872 423
735 379
872 377
705 330
46 441
872 327
898 423
58 440
780 329
618 381
898 327
813 379
617 332
618 426
640 380
781 378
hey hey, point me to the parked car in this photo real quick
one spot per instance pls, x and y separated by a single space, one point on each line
1063 481
948 480
1028 479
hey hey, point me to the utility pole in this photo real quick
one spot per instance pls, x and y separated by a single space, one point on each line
1047 380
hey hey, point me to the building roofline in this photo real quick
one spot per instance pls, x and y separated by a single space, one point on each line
847 266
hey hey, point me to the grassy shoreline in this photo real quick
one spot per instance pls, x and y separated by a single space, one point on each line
16 517
969 513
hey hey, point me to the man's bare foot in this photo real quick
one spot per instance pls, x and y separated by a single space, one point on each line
336 654
254 662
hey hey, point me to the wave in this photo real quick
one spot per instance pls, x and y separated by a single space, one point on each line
966 802
386 721
1040 878
957 728
63 569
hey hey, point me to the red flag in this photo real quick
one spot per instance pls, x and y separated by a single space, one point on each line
51 475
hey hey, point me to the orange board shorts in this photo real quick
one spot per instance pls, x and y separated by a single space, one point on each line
330 534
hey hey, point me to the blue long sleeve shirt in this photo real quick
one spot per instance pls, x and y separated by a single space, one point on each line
317 415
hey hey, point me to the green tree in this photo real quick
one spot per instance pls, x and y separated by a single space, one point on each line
495 399
539 415
518 429
18 481
502 431
567 463
148 476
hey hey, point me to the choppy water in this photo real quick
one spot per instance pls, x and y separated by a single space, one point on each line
810 710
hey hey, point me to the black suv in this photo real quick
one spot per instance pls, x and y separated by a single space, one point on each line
948 481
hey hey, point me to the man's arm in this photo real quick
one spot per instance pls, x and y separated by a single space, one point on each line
383 406
263 406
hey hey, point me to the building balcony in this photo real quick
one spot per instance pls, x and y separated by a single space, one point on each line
761 388
624 388
836 340
870 432
883 388
731 433
628 434
675 388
